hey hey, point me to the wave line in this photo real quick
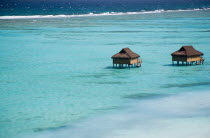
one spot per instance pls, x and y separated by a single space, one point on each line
98 14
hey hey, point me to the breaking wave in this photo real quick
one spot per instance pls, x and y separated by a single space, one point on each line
96 14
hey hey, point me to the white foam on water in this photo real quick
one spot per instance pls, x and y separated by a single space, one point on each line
93 14
179 116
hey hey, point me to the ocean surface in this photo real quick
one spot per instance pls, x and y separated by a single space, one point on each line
57 80
77 7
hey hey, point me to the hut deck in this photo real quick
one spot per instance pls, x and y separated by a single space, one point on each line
138 65
200 62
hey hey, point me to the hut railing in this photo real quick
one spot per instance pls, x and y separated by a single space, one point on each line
140 61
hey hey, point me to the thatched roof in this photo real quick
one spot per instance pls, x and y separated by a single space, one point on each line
187 51
126 53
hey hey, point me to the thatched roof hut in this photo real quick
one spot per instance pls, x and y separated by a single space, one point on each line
126 53
127 57
187 51
187 54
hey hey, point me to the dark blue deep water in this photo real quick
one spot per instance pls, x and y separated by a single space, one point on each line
55 7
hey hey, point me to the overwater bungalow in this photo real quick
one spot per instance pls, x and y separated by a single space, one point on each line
187 55
126 58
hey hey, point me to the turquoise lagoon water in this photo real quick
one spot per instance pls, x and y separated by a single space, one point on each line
56 76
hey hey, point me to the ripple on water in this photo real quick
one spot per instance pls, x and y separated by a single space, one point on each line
144 96
185 85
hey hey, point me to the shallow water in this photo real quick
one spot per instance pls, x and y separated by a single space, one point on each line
152 118
57 72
